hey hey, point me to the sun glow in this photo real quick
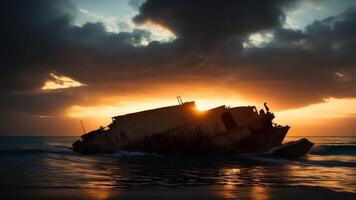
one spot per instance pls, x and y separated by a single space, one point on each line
130 106
206 104
203 107
311 120
158 33
60 82
114 109
331 108
334 116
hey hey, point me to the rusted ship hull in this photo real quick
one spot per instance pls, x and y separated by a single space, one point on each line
185 131
225 143
170 143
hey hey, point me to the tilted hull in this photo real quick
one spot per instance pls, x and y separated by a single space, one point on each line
193 142
224 143
182 130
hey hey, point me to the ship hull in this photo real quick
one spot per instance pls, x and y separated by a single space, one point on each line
182 130
196 142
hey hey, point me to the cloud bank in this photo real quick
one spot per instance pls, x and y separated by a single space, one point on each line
295 68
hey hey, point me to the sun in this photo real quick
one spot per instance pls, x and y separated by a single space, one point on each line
204 105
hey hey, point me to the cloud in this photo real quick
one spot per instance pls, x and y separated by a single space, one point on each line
60 82
202 22
111 23
305 64
292 68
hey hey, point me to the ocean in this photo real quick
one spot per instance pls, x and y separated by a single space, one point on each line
48 164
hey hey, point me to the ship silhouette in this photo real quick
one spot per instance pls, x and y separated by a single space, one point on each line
182 129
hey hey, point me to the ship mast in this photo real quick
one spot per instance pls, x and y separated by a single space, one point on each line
179 100
82 126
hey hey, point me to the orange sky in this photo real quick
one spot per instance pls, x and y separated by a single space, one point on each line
96 68
333 116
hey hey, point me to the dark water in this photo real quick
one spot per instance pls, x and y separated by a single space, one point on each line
47 162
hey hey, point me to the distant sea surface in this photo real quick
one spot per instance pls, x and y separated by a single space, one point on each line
48 163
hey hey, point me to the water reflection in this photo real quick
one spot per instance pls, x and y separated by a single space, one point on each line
236 192
105 175
98 194
106 172
44 163
259 193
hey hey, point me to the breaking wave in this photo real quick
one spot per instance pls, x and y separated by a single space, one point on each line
65 150
123 154
317 150
55 150
334 150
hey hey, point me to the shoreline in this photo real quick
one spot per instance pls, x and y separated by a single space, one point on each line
203 192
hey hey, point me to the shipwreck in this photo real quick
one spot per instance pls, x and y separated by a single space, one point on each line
182 129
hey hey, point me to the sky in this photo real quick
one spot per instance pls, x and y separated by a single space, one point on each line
72 60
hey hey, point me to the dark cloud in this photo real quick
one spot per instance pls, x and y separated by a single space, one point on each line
296 68
310 65
203 22
39 38
39 34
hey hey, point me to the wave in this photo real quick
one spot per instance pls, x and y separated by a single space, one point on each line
65 150
125 154
304 161
44 150
347 150
334 150
330 163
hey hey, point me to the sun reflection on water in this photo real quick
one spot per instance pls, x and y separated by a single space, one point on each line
98 194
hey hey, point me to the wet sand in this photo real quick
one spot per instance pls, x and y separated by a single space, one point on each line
206 192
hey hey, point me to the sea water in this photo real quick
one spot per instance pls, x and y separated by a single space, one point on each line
48 162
